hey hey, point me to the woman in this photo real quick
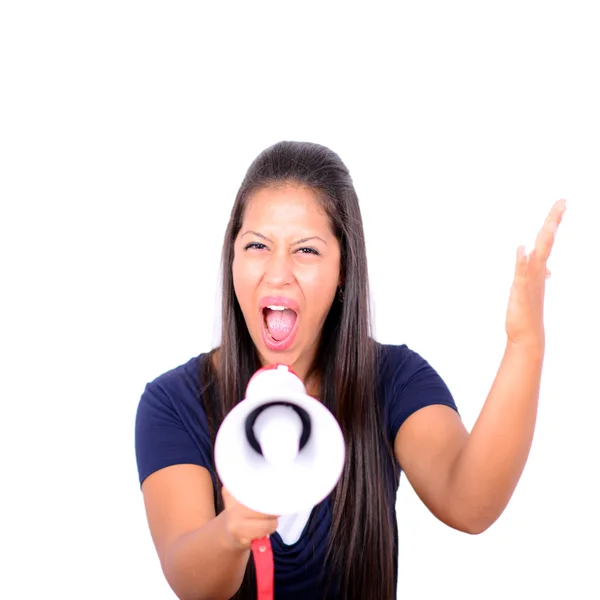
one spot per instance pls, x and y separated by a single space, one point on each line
295 243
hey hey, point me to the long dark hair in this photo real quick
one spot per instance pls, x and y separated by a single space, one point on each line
361 550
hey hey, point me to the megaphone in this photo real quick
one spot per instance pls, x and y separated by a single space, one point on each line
279 451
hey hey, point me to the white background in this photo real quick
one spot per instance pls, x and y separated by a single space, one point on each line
125 131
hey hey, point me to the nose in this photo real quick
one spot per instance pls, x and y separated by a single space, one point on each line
279 271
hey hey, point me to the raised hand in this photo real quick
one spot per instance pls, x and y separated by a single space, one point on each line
525 314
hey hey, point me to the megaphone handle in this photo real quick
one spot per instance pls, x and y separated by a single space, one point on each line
265 567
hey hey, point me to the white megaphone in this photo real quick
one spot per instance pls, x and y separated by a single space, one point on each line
279 451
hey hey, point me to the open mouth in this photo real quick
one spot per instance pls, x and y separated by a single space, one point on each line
279 323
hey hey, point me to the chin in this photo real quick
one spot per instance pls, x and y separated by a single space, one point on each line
269 357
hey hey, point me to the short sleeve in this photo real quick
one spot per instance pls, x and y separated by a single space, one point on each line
168 433
413 384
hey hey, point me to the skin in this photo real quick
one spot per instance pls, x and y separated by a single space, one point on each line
465 479
286 247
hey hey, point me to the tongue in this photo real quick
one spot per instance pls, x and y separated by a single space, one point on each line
280 323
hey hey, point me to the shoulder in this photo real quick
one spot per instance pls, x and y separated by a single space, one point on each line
181 380
171 425
397 363
406 383
177 389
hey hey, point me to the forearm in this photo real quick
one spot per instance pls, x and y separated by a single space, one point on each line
488 468
204 565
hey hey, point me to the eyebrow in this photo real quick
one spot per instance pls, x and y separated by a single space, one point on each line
264 237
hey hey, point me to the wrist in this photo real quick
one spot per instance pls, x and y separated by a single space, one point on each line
229 542
532 349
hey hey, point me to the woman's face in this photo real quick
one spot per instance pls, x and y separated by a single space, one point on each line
286 270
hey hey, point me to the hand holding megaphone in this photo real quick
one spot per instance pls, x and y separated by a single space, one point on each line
243 524
278 452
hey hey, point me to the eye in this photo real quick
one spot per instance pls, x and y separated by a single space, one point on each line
308 251
256 245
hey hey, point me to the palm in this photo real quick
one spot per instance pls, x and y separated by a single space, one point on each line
525 314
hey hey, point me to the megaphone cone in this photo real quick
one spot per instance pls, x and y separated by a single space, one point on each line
279 451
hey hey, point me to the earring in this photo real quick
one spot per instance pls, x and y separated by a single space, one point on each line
340 293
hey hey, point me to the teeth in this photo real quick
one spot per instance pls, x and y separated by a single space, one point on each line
274 307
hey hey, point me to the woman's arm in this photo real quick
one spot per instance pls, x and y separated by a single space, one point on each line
467 480
197 556
488 468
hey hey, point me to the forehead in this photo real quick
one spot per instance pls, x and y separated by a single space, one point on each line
285 205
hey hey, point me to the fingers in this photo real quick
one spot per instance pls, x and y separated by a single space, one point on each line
244 524
260 529
256 528
545 238
242 535
521 263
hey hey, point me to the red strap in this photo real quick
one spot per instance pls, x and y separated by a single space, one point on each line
265 568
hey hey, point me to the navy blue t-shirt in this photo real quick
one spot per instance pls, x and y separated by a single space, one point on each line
171 428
